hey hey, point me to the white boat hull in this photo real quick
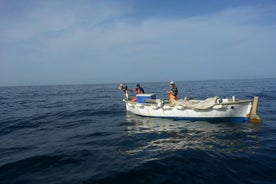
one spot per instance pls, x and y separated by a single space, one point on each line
230 111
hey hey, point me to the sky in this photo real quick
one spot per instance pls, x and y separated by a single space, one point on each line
44 42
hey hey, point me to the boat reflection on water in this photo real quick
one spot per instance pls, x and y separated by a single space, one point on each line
158 134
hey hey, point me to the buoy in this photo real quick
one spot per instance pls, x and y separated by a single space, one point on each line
254 117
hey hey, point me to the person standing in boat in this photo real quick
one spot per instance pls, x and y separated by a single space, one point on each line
139 89
173 92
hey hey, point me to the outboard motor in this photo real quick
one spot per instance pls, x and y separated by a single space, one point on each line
123 87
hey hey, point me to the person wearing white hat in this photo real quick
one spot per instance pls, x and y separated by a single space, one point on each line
173 92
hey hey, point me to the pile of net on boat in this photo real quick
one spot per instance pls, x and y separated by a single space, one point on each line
197 104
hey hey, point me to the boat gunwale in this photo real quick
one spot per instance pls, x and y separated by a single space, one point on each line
170 104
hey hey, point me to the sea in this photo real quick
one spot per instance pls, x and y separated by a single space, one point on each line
59 134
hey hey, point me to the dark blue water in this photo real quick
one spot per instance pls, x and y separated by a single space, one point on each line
82 134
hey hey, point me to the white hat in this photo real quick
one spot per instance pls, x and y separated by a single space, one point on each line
172 82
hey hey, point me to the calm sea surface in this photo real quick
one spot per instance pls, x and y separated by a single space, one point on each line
82 134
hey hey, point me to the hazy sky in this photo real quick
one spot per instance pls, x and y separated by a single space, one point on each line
104 41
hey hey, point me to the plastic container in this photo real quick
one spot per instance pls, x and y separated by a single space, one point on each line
142 98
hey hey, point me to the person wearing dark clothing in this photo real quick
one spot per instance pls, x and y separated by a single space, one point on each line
139 89
173 92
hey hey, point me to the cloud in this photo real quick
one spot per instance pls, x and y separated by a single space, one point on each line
52 16
102 41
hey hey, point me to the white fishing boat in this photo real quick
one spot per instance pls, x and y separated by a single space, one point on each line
210 109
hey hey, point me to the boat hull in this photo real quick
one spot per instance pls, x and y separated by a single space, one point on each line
230 112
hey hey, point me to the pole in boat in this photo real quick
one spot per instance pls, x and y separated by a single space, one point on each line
254 117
